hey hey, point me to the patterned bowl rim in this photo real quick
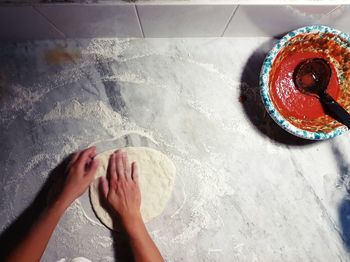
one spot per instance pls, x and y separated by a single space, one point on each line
264 84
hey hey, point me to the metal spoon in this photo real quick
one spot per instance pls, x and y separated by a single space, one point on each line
311 77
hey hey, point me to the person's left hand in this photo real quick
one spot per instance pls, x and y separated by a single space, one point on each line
81 172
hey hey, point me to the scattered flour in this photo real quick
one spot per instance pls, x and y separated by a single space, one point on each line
35 160
126 77
51 161
200 216
97 112
107 259
232 84
77 259
177 211
124 133
107 48
23 97
88 111
103 241
20 98
80 259
78 209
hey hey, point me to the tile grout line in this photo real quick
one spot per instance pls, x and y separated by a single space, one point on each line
138 18
229 20
49 21
333 10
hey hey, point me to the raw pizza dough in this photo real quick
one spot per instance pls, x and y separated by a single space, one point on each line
156 178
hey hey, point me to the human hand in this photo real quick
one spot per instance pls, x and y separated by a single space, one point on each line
121 188
81 171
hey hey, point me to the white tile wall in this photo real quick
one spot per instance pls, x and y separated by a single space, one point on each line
275 20
184 20
118 19
23 22
86 21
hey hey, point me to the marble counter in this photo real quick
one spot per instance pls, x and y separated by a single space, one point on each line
245 190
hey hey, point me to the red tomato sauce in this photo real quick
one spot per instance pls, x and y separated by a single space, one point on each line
289 101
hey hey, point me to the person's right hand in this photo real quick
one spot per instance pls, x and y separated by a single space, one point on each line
122 192
121 188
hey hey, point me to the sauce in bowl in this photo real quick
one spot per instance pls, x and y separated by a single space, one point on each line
289 100
302 110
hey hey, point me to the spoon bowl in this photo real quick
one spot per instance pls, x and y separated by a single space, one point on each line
312 77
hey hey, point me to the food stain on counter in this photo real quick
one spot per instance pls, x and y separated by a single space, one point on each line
60 55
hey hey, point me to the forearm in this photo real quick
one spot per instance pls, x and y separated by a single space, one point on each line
34 243
142 245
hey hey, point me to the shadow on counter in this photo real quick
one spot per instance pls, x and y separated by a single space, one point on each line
344 206
121 247
14 233
253 106
344 218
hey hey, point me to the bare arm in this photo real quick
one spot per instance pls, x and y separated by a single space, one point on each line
82 169
123 194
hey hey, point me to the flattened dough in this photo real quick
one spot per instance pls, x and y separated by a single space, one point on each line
156 178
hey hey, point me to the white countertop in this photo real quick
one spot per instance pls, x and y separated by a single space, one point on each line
245 190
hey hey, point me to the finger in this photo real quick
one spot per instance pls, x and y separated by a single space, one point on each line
84 157
74 157
112 171
93 153
108 172
127 168
104 186
135 172
93 167
120 165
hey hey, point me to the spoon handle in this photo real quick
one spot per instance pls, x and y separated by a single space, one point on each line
335 110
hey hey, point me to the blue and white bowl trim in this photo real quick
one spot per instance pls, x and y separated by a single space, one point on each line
264 84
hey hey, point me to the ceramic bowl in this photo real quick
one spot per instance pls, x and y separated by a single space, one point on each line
307 133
